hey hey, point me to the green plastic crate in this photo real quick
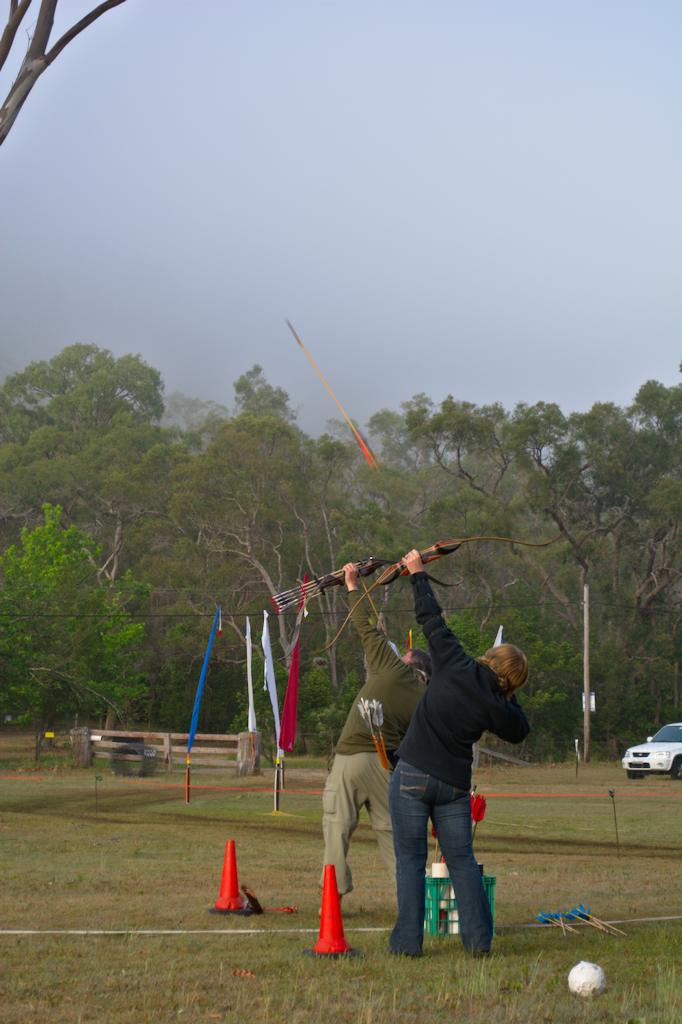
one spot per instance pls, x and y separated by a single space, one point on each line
441 916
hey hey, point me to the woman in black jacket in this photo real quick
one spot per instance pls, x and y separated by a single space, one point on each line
465 698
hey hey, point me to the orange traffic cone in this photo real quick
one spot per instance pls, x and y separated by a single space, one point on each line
229 901
332 941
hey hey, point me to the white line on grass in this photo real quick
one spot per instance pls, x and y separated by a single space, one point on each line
269 931
174 931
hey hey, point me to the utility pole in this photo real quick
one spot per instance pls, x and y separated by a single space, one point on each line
586 672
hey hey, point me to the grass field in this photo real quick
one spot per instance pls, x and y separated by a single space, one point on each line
147 861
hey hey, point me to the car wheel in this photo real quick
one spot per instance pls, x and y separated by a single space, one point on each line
633 775
676 770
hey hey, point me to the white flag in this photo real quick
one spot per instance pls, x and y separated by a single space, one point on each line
499 639
269 682
249 678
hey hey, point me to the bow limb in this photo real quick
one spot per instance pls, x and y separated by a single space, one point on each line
437 550
447 547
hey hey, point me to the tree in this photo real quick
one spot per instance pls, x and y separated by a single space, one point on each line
83 387
81 432
253 394
39 54
69 642
237 501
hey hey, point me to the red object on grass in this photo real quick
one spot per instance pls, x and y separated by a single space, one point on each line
477 811
478 804
332 941
229 901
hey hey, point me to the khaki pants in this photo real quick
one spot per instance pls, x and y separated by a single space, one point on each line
355 781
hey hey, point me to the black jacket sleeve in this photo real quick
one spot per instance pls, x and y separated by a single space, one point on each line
444 646
509 721
452 666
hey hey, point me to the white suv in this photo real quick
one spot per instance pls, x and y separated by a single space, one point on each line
660 755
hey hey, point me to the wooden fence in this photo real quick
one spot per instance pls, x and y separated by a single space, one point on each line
240 751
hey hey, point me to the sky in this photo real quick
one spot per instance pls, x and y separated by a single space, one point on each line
477 199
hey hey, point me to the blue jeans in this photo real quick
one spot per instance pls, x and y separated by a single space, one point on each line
414 798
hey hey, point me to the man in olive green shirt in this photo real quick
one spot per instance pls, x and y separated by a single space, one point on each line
357 779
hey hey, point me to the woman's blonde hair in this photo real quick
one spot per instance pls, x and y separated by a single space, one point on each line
509 664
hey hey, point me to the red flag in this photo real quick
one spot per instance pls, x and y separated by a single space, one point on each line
287 731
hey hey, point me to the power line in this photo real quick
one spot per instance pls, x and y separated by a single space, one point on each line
496 609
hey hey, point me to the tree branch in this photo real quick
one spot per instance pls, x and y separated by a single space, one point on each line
16 16
37 59
41 33
33 669
568 613
79 27
575 545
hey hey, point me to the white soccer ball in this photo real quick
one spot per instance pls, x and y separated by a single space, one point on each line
586 979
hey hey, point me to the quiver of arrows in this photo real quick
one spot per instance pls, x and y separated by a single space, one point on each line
372 714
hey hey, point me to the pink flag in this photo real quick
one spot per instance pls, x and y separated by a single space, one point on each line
287 732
